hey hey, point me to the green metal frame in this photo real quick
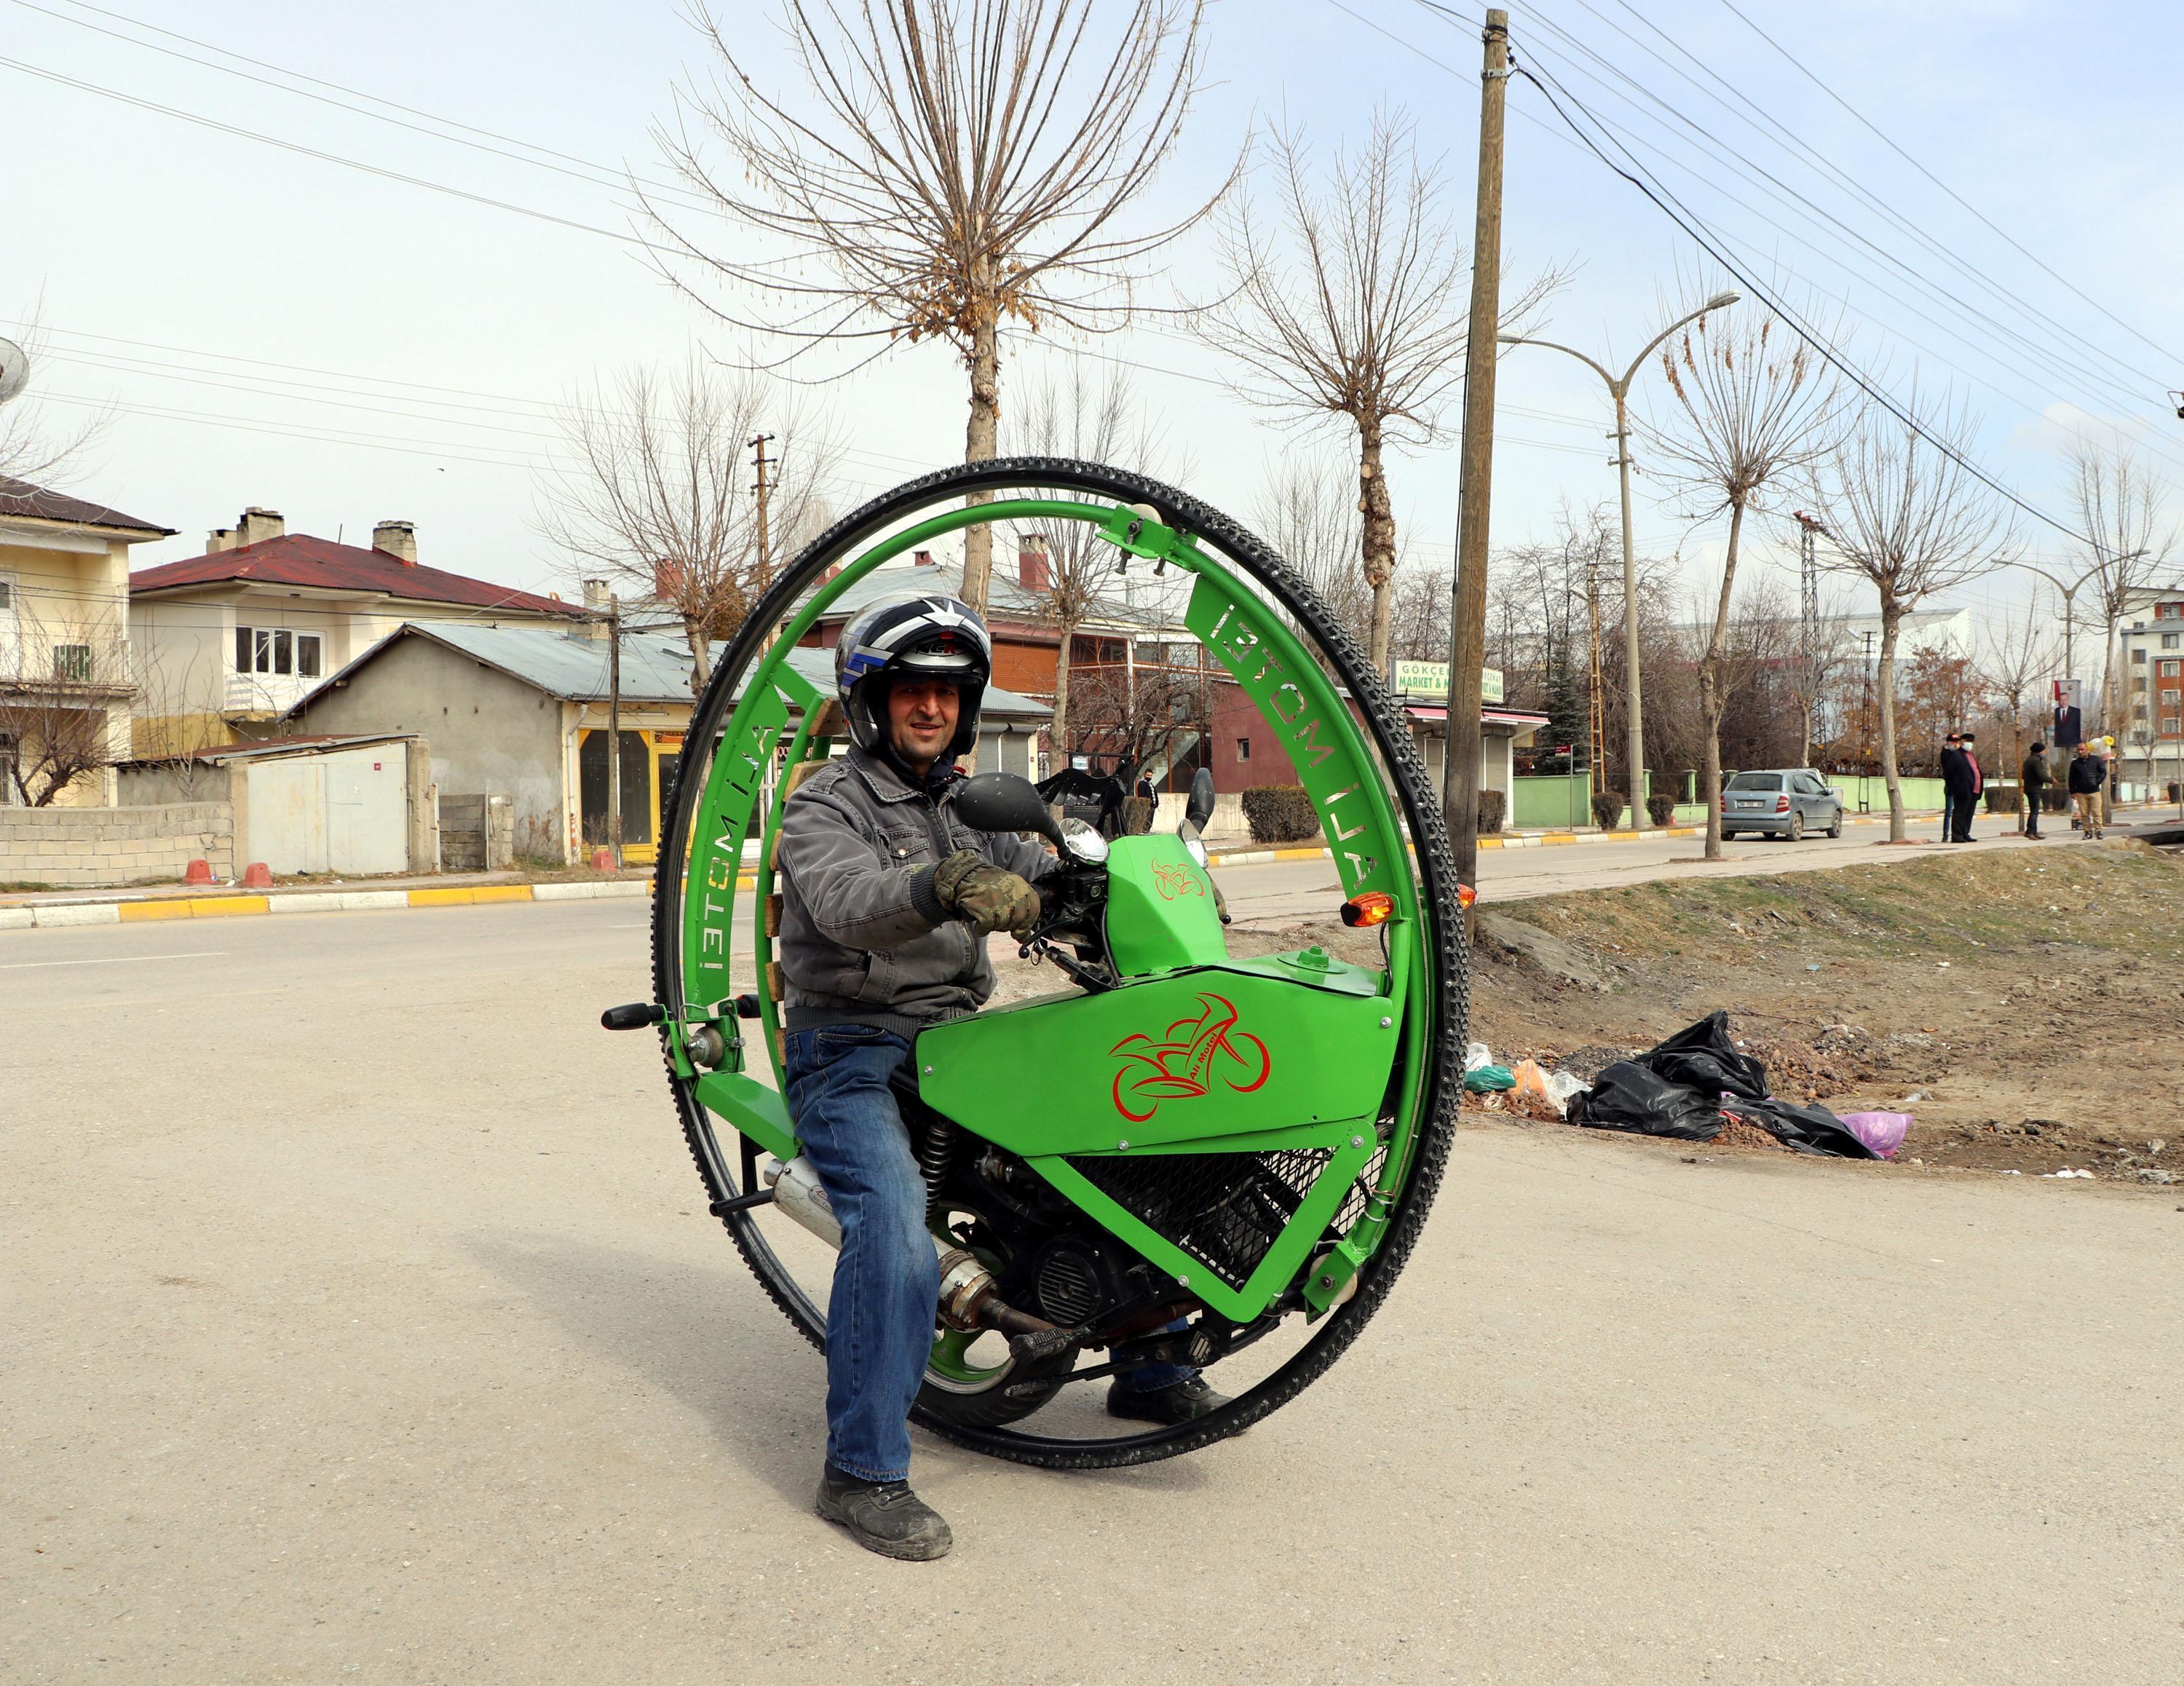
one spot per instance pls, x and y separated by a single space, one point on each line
1337 1031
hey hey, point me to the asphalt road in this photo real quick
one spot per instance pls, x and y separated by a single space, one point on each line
359 1324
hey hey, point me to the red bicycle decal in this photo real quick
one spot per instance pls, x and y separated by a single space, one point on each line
1184 1066
1177 880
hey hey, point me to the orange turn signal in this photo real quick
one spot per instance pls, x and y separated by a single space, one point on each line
1374 907
1465 895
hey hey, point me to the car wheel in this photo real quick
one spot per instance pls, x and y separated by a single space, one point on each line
1726 834
1796 833
1836 830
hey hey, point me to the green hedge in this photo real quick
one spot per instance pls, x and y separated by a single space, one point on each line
1607 810
1661 809
1280 813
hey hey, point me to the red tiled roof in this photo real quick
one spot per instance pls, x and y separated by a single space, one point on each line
20 498
298 559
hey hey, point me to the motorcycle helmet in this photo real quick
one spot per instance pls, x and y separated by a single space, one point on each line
913 635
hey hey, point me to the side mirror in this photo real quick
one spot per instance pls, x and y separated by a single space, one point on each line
1004 802
1198 806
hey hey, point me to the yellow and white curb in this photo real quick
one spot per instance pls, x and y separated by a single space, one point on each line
54 915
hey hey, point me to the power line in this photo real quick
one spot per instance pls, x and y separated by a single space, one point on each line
1885 141
1758 118
1674 210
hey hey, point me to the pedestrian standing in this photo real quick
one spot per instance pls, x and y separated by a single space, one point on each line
1960 789
2032 783
2085 776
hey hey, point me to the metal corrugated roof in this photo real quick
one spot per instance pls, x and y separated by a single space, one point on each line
655 667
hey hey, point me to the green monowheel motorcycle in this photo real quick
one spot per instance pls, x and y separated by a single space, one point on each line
1247 1146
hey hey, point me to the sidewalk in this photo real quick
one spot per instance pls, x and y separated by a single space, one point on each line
1250 856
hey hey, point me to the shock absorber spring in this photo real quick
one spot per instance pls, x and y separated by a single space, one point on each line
936 1153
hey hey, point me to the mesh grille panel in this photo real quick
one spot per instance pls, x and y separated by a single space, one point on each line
1224 1209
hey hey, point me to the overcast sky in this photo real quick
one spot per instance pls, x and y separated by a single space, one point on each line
278 329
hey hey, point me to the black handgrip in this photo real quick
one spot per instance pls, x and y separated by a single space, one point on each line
746 1006
638 1015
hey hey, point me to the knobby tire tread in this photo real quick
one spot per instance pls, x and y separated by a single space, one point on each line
1436 1122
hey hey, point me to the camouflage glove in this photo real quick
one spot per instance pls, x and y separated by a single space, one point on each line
990 897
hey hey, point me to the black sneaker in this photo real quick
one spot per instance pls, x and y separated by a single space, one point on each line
885 1517
1182 1401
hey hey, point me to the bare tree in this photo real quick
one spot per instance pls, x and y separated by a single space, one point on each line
2016 660
1304 508
1900 511
1349 304
659 491
59 684
1094 420
2118 499
944 165
1753 410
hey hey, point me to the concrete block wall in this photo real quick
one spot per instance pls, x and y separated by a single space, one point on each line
100 847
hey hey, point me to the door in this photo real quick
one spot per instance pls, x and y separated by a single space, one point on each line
639 796
367 827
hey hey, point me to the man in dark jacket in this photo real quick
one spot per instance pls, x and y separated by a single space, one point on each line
2087 776
2032 783
886 900
1960 787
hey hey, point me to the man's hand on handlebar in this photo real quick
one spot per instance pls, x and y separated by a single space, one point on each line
992 897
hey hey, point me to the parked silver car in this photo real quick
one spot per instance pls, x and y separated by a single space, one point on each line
1788 802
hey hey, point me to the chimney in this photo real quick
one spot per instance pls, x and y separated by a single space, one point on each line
220 539
596 593
922 559
399 539
257 525
1032 570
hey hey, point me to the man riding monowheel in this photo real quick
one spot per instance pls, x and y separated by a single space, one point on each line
888 898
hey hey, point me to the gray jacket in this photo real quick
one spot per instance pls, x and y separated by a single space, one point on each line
864 940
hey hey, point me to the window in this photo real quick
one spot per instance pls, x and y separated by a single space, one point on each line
2168 670
2169 611
1243 748
275 649
6 595
2170 640
1756 782
2169 725
72 664
2138 653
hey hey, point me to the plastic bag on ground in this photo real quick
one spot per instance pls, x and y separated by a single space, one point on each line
1482 1078
1479 1053
1882 1132
1627 1096
1804 1129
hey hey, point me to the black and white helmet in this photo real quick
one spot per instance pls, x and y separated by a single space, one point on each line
927 637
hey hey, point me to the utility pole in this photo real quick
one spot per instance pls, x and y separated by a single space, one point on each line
1595 712
765 551
1866 725
614 728
1467 629
1808 595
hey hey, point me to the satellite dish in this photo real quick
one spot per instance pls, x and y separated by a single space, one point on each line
14 369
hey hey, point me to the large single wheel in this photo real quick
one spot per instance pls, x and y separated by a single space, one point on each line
1797 826
1419 1110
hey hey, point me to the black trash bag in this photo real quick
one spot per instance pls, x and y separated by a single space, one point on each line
1808 1129
1704 1057
1626 1096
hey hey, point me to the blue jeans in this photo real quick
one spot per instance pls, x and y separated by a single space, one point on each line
887 1282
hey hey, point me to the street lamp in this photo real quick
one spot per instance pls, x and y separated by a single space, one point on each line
1619 389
